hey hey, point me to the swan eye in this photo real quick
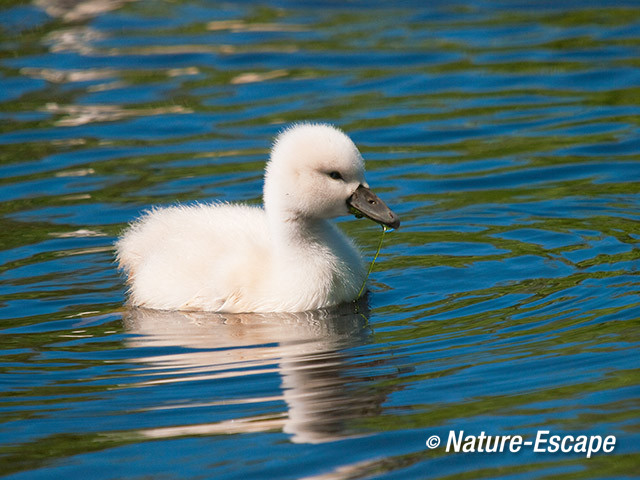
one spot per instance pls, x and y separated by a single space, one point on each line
335 175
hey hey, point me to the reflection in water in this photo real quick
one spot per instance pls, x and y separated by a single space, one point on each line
310 351
78 10
75 115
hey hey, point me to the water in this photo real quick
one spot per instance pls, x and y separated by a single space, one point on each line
504 134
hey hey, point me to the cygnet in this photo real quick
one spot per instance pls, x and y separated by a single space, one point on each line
286 256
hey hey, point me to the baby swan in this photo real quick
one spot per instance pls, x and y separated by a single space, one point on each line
285 257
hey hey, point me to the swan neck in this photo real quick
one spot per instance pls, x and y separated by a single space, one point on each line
296 231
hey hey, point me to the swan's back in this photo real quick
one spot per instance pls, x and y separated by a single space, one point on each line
195 257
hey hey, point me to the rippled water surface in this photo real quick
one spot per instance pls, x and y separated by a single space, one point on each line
505 134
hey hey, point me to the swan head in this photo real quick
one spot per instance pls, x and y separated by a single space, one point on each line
315 171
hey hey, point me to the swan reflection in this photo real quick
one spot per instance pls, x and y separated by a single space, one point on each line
311 351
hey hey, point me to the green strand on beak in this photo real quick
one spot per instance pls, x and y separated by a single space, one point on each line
384 230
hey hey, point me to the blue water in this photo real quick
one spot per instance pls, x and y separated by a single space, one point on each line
504 134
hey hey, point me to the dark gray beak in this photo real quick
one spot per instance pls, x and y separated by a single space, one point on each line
365 203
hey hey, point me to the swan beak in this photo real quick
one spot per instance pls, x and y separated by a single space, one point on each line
365 203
